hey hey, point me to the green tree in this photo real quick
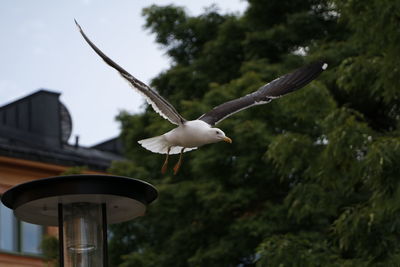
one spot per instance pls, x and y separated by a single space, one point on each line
312 178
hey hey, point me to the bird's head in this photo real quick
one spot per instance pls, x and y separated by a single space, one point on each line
219 135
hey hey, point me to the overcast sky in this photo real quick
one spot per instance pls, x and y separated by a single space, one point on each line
40 47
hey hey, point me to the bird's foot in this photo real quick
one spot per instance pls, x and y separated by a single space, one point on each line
177 166
179 163
165 165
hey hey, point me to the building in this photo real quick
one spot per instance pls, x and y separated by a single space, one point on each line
34 133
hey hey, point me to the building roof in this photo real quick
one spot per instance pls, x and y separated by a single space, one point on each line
37 127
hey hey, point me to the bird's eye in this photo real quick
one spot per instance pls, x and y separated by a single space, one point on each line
216 132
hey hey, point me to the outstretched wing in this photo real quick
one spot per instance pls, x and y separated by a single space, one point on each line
158 103
277 88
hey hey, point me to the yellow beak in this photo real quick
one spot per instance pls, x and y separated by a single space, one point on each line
227 139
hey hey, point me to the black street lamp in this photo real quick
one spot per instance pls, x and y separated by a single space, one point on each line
81 206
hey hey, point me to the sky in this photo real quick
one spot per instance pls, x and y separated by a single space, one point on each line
41 48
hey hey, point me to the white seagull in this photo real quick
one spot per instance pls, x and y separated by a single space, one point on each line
191 134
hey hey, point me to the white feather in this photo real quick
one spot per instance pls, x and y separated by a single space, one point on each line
159 144
151 102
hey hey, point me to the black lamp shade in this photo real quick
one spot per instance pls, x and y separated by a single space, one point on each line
37 201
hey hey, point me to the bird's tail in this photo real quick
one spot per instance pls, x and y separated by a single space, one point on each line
156 144
160 145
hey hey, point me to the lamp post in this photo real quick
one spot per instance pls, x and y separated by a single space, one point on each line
81 206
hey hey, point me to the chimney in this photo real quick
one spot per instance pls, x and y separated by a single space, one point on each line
76 141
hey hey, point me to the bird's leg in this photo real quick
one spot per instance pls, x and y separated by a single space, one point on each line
165 165
178 164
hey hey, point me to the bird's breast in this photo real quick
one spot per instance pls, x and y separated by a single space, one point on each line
188 135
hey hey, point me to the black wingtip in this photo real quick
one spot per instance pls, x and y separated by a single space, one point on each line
77 25
110 62
321 63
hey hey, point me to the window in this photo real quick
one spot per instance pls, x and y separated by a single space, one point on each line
7 229
31 236
17 236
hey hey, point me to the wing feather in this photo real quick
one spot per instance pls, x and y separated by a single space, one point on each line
275 89
157 102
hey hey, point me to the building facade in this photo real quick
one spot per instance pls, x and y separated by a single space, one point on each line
34 134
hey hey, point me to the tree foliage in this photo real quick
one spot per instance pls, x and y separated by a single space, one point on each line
311 179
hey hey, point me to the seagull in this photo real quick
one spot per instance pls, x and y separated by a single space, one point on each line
191 134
